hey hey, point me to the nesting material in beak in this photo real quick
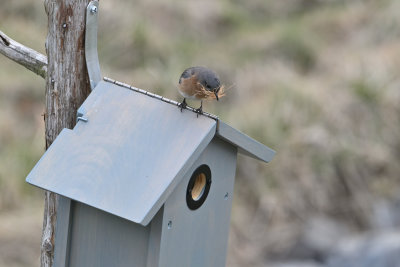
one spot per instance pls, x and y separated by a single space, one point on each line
206 94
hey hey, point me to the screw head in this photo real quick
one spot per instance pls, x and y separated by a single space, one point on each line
169 224
93 9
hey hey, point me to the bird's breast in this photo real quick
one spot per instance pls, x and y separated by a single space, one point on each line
190 88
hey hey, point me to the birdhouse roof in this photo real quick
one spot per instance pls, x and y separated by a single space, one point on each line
132 151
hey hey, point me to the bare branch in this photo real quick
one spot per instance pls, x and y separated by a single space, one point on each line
29 58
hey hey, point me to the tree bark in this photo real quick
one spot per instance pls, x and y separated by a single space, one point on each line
67 86
25 56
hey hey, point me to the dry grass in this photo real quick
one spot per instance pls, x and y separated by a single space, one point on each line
315 80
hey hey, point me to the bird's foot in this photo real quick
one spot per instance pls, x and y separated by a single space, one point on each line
199 111
182 105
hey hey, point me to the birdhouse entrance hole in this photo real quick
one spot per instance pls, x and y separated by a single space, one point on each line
198 187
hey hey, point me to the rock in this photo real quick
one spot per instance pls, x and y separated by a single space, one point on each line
369 250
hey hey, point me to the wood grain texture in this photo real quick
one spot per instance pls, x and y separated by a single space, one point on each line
25 56
128 157
67 86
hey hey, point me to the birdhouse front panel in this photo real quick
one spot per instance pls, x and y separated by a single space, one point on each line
196 234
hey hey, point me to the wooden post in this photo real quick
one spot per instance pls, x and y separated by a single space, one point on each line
67 86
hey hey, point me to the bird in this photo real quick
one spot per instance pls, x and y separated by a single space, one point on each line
199 83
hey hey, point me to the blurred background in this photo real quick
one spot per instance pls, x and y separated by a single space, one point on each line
316 80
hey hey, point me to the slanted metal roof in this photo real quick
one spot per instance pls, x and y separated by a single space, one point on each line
132 151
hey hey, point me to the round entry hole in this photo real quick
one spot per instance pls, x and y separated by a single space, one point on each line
198 187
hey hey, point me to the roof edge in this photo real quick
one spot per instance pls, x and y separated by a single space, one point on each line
246 145
178 177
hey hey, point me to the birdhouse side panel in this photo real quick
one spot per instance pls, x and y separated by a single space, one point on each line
101 239
198 236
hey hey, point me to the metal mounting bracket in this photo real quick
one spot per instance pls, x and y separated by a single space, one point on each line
92 58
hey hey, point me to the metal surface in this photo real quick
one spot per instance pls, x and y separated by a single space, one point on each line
157 97
81 119
93 9
128 157
92 59
199 238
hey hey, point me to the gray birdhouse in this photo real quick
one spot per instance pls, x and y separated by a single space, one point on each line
145 184
142 183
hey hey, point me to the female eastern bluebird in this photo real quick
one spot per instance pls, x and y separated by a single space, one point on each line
199 83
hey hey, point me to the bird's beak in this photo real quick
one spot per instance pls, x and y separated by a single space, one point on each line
216 95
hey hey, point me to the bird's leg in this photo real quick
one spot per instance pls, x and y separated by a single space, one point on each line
183 104
200 109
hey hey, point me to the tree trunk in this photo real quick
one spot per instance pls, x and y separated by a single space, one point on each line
67 86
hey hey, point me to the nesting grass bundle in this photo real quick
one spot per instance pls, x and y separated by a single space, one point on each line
209 95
